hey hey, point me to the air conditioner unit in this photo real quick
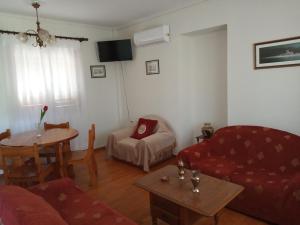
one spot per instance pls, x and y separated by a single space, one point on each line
151 36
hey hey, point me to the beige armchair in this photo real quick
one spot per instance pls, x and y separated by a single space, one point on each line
145 152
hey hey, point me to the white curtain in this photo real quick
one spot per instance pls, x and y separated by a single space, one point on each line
32 77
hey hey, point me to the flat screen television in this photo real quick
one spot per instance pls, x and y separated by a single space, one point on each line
119 50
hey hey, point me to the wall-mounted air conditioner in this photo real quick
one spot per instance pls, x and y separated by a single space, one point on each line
151 36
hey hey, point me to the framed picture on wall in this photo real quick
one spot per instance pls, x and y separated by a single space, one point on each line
152 67
98 71
277 53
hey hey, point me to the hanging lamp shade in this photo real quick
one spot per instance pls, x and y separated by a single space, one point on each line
43 36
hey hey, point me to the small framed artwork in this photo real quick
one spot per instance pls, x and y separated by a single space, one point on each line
277 53
152 67
98 71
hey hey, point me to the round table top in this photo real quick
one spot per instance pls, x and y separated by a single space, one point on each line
48 137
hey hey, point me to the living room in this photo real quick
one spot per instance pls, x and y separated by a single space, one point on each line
208 71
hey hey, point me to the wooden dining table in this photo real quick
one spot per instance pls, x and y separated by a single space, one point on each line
46 138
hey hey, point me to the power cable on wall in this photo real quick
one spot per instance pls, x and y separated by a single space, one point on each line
123 70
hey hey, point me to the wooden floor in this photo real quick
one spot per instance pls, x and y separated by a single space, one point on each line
116 189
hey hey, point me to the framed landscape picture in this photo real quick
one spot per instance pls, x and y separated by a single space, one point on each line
152 67
277 53
98 71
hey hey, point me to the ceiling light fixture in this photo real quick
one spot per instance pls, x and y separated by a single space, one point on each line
43 37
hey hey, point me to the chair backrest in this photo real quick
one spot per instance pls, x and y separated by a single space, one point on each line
17 156
48 126
5 134
91 141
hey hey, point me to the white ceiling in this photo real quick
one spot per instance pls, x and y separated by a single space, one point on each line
99 12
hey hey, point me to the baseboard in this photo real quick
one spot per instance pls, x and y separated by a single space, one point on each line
100 148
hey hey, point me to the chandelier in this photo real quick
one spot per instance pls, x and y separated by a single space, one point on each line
42 37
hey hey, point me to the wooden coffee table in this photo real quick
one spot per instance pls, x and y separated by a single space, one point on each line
174 202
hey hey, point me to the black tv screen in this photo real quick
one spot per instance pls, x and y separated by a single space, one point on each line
119 50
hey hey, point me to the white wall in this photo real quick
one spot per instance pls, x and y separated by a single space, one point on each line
192 85
203 81
262 97
102 102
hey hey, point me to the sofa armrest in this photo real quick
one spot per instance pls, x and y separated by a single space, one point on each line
194 153
123 133
115 137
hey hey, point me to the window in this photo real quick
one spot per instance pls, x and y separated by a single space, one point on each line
32 76
46 75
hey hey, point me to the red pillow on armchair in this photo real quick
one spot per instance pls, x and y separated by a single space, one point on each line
144 128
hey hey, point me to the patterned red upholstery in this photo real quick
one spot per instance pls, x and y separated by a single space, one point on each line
20 207
75 207
264 160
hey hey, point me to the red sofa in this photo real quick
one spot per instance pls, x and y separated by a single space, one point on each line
58 202
263 160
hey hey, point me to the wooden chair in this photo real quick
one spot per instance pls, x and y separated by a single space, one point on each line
76 157
49 126
50 152
26 170
4 135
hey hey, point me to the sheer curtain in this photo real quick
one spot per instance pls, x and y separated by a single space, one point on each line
32 77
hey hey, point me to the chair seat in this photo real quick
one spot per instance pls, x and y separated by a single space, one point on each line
50 151
128 143
126 149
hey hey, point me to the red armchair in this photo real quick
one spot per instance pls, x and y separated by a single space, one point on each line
264 160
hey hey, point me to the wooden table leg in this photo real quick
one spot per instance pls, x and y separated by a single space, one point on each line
187 217
216 220
217 217
153 215
154 220
68 169
60 160
184 218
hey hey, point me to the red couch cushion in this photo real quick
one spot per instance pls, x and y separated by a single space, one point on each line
144 128
76 207
21 207
215 166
